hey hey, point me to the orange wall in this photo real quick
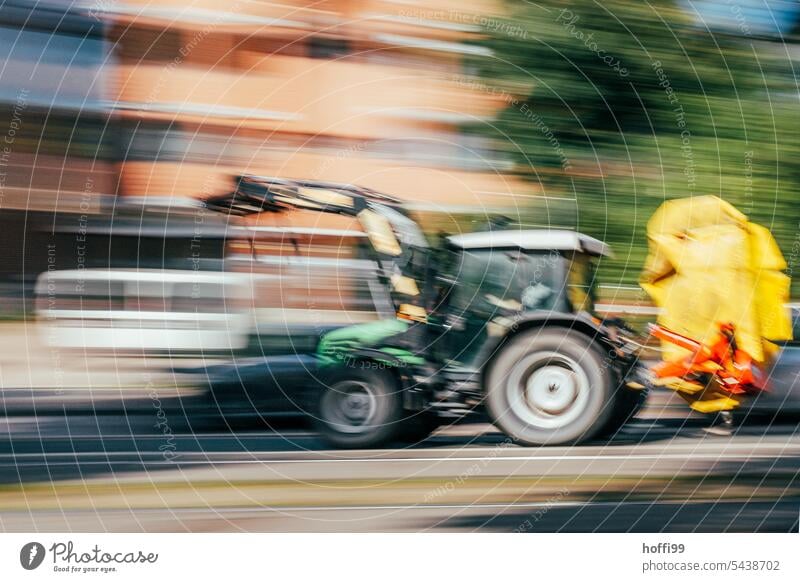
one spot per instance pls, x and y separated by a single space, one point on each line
230 76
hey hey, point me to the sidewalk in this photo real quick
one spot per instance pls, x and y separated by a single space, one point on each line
29 368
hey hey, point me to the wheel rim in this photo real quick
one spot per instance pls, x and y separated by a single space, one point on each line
349 406
547 390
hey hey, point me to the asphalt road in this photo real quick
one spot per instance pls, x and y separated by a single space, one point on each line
81 471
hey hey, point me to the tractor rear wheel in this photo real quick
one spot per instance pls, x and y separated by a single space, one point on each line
548 386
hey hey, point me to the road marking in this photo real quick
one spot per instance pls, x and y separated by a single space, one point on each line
301 508
208 460
691 446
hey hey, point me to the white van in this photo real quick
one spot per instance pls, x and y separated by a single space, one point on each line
145 309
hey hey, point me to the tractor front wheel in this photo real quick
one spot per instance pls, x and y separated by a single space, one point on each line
359 408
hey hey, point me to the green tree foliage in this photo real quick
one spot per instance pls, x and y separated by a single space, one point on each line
615 106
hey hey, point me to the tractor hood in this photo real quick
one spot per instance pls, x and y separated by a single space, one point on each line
347 345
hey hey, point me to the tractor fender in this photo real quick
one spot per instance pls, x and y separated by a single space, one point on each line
397 362
579 322
379 357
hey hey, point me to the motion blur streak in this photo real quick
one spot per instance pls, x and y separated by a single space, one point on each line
123 295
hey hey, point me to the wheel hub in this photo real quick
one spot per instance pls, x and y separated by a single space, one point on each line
356 406
349 406
551 389
547 390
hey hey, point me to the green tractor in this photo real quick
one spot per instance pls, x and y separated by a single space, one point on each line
499 322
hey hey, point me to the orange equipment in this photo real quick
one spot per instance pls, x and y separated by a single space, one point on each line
717 279
719 372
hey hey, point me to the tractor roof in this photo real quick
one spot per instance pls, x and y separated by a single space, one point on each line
532 240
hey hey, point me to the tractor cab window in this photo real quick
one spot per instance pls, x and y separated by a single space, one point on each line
581 283
489 282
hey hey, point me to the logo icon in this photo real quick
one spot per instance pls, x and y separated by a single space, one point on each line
31 555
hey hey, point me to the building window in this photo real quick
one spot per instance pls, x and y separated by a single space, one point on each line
321 47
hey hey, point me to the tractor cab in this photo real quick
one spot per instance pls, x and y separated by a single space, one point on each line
494 280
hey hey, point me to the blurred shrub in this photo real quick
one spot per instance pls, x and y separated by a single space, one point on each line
615 106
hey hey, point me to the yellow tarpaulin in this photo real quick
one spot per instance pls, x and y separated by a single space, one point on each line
708 265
